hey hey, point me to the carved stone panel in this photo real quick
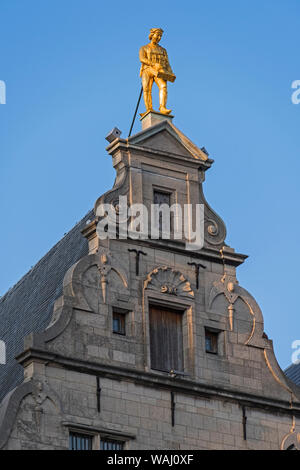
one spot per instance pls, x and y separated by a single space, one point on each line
169 281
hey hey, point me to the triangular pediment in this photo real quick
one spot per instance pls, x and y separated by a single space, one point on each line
165 137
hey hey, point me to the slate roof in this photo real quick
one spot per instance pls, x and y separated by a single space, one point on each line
27 307
293 373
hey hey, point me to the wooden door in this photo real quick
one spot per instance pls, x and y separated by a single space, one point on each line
166 345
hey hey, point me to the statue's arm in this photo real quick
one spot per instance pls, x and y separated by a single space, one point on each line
143 56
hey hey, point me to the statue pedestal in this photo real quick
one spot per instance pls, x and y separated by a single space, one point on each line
153 117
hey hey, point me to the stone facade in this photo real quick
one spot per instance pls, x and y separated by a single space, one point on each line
80 376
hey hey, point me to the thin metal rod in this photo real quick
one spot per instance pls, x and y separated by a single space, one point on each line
197 266
244 423
137 259
136 110
98 394
173 408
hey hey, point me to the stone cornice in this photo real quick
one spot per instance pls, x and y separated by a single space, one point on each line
230 257
152 379
121 144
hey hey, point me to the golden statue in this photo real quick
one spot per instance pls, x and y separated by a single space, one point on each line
155 67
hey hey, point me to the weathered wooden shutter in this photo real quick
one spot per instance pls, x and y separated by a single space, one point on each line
166 344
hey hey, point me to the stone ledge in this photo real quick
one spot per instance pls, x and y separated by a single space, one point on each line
151 379
99 430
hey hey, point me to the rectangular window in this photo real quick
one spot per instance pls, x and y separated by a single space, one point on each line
159 198
78 441
119 321
211 342
109 444
162 198
166 343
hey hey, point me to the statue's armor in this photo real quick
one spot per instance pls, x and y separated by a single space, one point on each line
154 56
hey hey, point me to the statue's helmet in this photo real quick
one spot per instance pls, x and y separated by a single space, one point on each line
155 30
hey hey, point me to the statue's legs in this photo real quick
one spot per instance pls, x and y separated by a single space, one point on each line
163 95
147 82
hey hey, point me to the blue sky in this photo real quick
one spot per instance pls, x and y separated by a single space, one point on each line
71 70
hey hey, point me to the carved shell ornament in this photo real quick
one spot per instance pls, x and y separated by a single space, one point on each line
168 281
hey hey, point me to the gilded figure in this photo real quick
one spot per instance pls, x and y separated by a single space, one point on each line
155 68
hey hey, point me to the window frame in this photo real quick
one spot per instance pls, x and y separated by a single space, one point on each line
83 435
112 440
170 193
97 436
169 308
215 334
187 306
164 191
122 313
